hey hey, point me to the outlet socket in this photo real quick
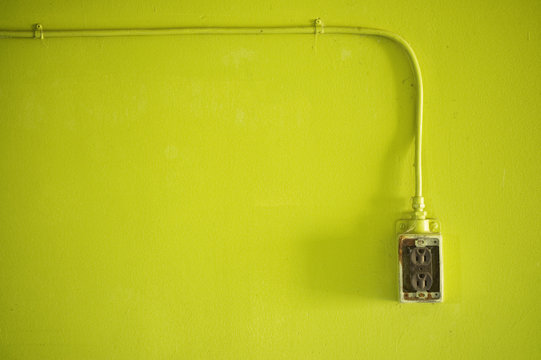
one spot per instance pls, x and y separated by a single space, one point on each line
420 267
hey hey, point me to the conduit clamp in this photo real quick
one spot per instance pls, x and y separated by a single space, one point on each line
38 31
319 26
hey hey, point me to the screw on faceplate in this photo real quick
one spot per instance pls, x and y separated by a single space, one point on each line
403 226
434 226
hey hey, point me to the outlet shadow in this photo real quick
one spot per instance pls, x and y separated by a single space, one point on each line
362 261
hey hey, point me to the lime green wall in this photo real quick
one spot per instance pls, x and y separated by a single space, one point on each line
234 198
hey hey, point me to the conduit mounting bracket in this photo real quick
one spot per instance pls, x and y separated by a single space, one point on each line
38 31
319 26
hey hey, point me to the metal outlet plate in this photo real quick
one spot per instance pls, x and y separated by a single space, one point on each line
420 267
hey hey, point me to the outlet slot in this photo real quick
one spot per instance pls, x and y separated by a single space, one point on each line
421 256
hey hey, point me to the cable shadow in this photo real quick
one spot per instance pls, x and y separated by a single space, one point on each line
362 261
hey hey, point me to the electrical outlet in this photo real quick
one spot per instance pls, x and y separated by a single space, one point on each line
420 266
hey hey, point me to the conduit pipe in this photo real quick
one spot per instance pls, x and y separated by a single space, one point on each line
318 28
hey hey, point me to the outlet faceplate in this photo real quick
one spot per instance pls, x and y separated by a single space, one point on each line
421 267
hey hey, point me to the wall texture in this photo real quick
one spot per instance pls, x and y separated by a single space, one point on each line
234 198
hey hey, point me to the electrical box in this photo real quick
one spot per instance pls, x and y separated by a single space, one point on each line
420 264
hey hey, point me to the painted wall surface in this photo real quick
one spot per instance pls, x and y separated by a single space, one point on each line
235 197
